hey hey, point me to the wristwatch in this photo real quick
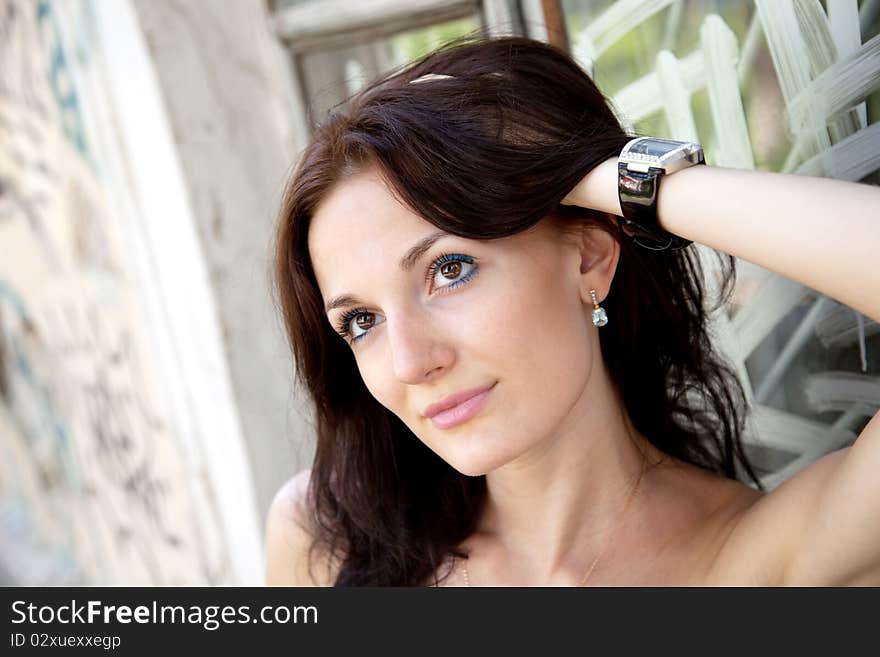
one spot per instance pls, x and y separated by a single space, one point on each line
641 164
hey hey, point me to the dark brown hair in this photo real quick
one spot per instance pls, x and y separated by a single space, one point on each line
484 154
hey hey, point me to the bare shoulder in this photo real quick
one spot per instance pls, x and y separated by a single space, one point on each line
818 528
697 509
737 560
289 538
765 534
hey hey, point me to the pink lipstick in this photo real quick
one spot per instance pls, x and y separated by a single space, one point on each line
458 408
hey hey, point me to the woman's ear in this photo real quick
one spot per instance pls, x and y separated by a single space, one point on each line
600 252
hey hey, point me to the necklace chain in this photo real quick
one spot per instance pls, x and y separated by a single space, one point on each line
629 498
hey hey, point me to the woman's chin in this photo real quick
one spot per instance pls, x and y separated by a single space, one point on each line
478 463
471 471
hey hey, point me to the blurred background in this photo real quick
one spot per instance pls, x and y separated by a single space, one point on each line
148 411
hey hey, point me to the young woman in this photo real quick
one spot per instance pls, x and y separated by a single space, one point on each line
441 251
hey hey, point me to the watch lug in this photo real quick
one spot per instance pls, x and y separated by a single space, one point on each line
641 167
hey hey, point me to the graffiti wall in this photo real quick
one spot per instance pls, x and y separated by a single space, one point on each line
94 483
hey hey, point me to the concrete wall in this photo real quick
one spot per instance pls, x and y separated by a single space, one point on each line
120 456
224 85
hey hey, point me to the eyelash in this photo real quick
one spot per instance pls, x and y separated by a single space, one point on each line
344 322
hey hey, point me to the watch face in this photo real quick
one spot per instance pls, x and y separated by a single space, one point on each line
654 147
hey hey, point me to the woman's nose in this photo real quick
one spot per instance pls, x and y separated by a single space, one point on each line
419 351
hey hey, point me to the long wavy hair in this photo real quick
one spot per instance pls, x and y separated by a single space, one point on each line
485 153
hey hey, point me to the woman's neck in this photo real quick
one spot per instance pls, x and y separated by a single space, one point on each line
553 509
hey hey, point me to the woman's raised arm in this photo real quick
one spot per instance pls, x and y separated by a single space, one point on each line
821 232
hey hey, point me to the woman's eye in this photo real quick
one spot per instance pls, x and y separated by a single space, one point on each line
451 270
361 324
356 323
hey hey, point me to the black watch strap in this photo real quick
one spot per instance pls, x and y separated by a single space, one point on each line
637 192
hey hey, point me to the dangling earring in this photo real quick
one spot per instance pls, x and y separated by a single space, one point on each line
600 318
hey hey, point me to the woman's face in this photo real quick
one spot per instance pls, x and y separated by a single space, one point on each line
508 315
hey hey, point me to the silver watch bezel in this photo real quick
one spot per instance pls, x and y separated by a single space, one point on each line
687 154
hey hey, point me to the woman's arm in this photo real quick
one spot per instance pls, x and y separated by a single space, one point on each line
822 526
821 232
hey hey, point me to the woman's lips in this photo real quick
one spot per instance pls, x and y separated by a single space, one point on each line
462 412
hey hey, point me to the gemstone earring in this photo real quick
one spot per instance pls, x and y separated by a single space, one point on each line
600 318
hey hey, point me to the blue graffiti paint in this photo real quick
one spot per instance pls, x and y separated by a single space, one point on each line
61 79
27 374
39 392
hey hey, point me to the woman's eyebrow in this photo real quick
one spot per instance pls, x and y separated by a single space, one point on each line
407 262
418 250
